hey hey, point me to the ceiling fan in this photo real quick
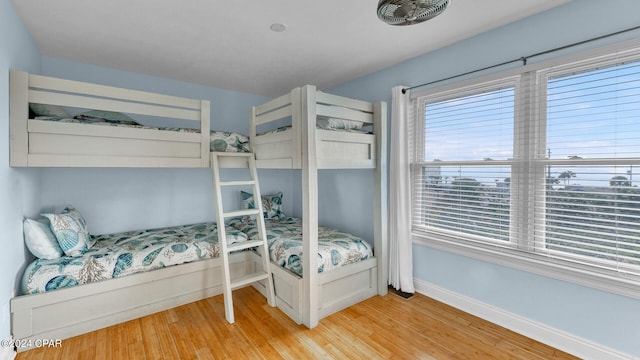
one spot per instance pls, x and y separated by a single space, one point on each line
409 12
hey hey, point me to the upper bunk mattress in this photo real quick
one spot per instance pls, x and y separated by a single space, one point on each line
335 248
288 128
223 141
125 253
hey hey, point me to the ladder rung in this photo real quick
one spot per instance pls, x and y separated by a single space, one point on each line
237 183
242 213
231 159
244 245
248 279
221 154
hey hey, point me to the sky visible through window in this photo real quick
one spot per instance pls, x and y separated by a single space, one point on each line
472 127
590 115
595 115
585 205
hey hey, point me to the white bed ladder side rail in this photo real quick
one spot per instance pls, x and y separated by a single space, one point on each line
261 244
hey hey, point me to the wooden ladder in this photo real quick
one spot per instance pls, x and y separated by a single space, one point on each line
228 284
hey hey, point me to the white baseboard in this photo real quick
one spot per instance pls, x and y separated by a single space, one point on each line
7 353
545 334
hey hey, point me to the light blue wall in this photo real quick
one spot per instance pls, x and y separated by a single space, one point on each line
120 199
344 200
604 318
19 188
125 199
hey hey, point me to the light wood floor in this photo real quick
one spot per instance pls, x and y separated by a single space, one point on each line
381 327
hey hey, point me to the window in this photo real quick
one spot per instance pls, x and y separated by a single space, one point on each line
464 179
537 168
591 207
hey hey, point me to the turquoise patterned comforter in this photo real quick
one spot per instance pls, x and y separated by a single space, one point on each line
116 255
335 248
224 141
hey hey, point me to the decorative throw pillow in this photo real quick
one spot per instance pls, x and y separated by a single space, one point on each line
106 116
271 204
225 141
51 111
70 229
40 240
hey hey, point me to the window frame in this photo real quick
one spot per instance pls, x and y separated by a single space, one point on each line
523 252
417 166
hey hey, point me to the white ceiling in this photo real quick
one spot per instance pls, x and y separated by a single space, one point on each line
228 44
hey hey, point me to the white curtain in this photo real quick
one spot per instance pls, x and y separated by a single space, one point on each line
400 251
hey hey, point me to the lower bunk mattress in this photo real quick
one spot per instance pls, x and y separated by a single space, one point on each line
335 248
121 254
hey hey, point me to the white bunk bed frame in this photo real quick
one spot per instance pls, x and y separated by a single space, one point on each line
43 143
76 310
315 295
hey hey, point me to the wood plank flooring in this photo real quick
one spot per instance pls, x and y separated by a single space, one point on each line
382 327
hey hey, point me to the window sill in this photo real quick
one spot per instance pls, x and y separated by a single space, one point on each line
537 264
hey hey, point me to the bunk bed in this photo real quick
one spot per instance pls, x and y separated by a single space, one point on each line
51 140
41 142
185 141
55 305
325 131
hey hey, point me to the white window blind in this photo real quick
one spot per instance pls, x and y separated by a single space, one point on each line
541 168
590 210
464 179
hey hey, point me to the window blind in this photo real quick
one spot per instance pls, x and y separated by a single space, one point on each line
590 209
541 167
463 182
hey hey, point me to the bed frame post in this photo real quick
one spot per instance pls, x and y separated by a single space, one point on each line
298 128
205 129
18 116
252 130
380 198
307 115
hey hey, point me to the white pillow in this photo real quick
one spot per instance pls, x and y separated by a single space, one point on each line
40 240
332 123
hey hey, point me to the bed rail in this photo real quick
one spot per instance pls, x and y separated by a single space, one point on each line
46 143
335 149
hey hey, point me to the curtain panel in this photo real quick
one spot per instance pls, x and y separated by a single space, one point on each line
400 244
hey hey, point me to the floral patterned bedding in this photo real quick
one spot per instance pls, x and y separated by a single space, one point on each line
288 128
335 248
220 140
120 254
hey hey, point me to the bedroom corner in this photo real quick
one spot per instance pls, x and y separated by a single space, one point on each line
18 188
